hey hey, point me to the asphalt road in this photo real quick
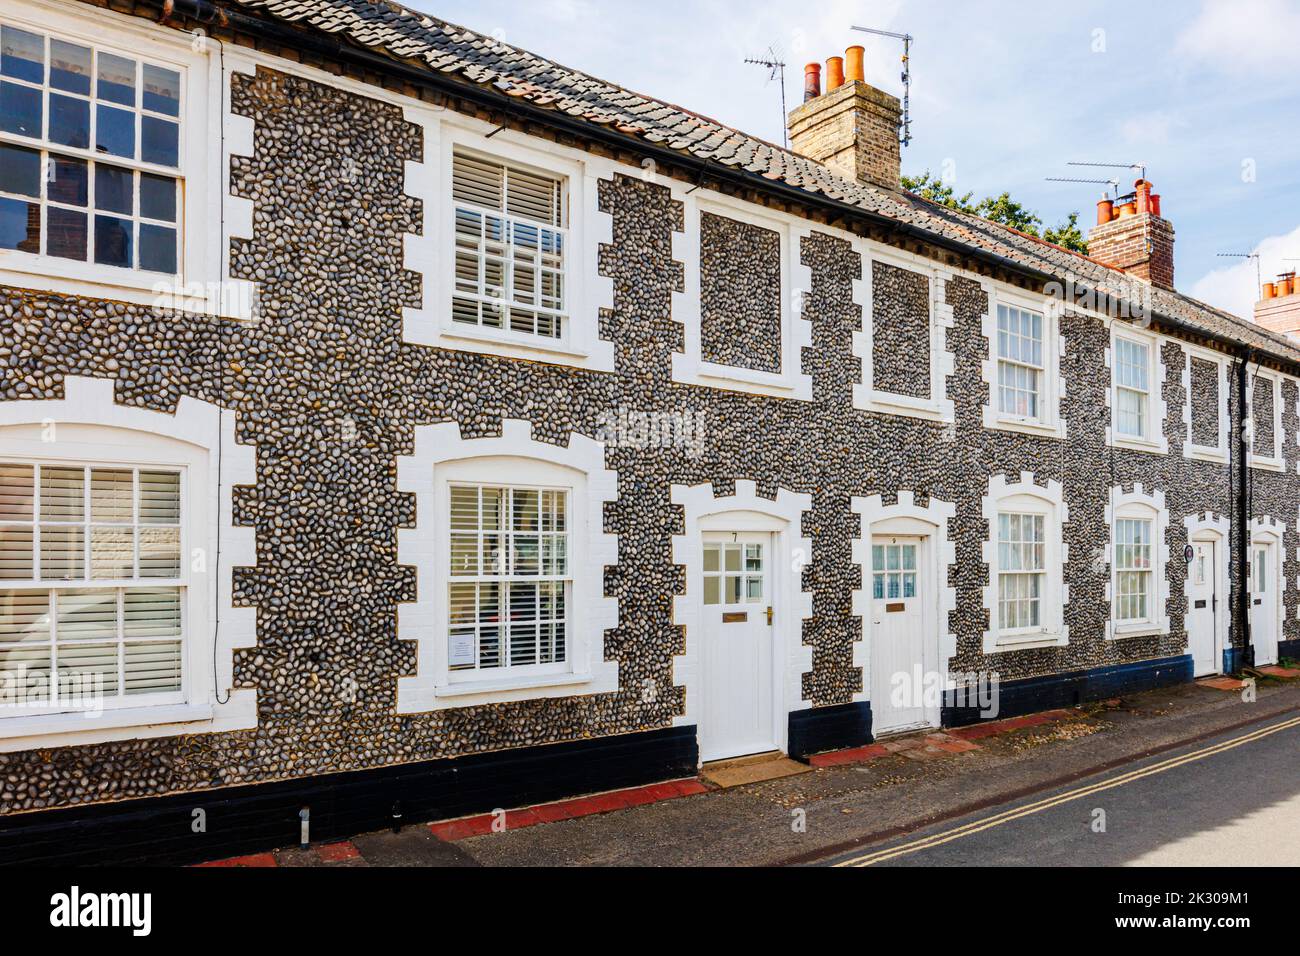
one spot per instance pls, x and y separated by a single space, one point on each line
1233 800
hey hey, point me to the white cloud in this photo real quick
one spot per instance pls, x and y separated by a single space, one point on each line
1235 288
1242 36
1149 128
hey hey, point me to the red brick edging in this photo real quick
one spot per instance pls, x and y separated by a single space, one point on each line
481 825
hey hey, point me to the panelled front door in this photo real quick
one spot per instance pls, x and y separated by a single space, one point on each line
738 717
899 632
1202 608
1264 601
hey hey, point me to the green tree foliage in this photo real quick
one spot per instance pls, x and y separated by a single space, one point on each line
1000 209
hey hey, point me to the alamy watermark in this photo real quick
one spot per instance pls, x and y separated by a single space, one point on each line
630 428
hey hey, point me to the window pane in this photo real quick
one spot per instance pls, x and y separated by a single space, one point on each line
63 552
16 553
68 234
87 615
17 492
69 179
113 241
20 171
160 497
22 54
160 552
114 189
153 668
116 79
712 591
157 197
63 494
24 616
162 90
69 67
712 558
157 248
112 553
114 131
151 612
20 110
159 141
69 121
110 496
20 225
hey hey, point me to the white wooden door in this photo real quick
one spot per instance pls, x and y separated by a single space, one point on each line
899 631
1264 601
1202 608
738 717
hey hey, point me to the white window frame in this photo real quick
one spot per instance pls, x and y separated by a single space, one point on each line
180 463
1278 461
200 257
1140 506
580 345
561 480
1218 453
443 458
1153 439
1048 423
86 426
689 366
1027 497
936 406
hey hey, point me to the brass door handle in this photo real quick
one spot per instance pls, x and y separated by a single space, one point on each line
769 617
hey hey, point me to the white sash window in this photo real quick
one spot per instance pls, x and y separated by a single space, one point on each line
1021 363
511 247
510 581
91 158
92 585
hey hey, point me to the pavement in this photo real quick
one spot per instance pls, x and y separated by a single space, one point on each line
1218 808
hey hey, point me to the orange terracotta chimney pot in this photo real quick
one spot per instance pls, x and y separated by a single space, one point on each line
855 64
812 81
1285 287
1143 189
1155 204
1105 211
834 73
1270 290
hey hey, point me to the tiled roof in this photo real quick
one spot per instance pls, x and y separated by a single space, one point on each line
450 49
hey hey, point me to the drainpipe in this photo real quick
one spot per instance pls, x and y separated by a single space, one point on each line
1243 505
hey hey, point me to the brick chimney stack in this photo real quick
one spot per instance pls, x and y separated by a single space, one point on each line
1133 236
852 128
1279 310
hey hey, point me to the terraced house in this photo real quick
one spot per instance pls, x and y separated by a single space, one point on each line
395 424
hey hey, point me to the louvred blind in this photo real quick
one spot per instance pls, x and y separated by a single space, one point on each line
91 583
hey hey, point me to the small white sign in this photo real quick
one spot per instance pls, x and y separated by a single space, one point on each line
460 653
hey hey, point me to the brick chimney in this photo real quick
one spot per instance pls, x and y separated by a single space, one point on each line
1279 310
852 128
1131 235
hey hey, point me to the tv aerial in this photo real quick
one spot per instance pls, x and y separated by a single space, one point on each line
775 71
905 128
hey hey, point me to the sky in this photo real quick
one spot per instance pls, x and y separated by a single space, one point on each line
1005 93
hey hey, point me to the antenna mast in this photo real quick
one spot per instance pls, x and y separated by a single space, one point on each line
1259 274
775 71
905 132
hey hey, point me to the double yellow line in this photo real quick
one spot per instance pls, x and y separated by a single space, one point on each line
1006 816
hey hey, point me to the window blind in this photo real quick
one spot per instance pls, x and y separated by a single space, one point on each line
510 247
92 589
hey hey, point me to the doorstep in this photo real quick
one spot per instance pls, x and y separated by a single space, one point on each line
726 774
1280 673
1229 684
